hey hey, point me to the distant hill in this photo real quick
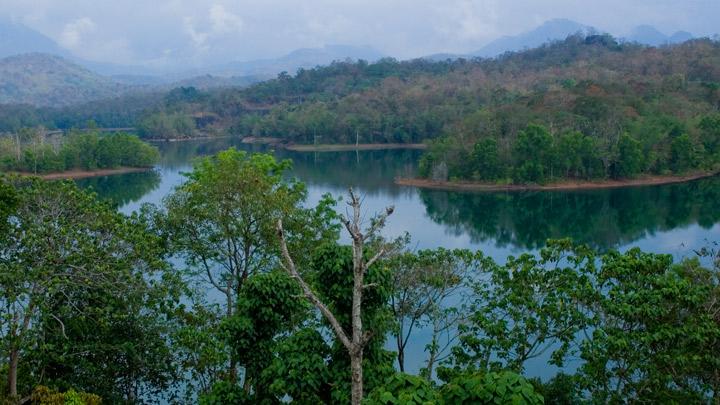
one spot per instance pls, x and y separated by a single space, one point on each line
552 30
48 80
649 35
305 58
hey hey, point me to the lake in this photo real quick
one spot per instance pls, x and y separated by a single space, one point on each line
675 219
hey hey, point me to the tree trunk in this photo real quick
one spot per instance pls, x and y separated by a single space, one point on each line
12 372
356 353
357 376
401 353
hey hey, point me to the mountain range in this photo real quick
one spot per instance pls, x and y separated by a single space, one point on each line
34 69
559 29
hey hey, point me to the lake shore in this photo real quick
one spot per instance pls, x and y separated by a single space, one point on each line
352 147
559 186
83 174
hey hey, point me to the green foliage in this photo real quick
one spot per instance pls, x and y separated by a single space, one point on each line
299 368
31 151
533 150
655 334
403 389
266 307
166 126
503 387
630 157
525 308
563 389
226 392
86 297
43 395
332 277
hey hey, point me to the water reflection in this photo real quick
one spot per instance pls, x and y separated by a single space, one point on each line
123 189
601 218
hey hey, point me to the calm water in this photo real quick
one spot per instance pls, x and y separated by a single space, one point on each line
670 219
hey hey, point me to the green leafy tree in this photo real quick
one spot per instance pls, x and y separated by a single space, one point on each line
67 262
487 161
524 309
404 389
629 161
533 152
503 387
346 316
655 333
423 283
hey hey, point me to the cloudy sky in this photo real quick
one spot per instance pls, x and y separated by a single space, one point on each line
157 31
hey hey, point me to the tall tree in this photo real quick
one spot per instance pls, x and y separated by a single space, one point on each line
358 337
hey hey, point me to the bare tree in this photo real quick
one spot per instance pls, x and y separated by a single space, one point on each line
357 339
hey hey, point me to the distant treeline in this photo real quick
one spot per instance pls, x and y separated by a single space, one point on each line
33 151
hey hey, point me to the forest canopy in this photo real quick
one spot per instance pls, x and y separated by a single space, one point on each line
33 151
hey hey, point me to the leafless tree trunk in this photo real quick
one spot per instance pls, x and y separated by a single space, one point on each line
12 372
358 339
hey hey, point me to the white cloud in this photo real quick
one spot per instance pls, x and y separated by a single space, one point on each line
224 21
218 22
204 31
73 32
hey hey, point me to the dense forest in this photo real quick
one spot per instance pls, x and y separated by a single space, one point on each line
97 307
33 151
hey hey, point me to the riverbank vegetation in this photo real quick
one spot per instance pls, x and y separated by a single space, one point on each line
96 304
32 151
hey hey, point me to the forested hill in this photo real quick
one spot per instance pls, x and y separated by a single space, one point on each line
591 84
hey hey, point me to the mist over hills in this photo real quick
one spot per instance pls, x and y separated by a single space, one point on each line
48 80
551 30
46 74
16 38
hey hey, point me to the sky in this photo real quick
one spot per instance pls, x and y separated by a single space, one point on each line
157 32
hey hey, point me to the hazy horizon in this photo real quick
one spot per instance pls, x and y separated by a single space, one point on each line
198 32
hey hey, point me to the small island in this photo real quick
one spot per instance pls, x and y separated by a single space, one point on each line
538 159
79 154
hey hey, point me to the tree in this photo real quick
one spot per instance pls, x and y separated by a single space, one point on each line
533 152
355 341
487 161
655 330
629 157
221 220
66 262
422 285
524 309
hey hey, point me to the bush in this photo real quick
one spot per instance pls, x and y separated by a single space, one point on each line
403 389
490 388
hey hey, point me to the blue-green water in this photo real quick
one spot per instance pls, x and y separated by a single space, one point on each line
670 219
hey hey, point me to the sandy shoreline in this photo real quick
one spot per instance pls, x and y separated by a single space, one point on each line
82 174
565 185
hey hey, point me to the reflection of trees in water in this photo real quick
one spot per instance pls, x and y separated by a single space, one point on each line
122 189
601 218
178 154
372 171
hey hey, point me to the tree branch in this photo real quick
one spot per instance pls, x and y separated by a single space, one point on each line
309 294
